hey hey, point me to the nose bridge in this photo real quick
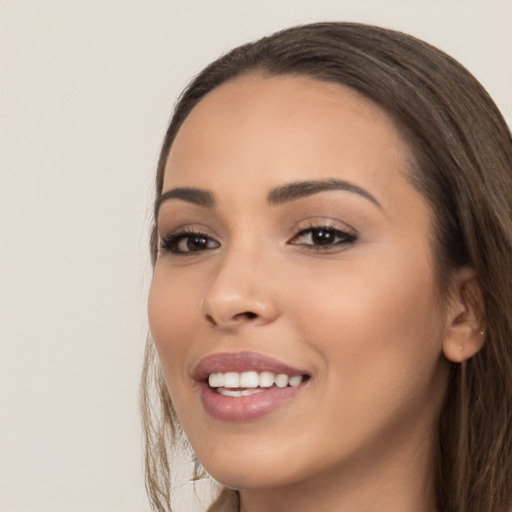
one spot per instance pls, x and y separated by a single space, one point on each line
239 290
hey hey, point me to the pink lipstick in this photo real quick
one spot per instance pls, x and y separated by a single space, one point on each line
246 385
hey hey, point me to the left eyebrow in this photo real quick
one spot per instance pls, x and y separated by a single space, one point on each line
299 189
196 196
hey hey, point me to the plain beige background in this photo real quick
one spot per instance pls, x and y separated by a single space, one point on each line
86 89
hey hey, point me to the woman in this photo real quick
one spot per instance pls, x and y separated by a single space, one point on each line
331 299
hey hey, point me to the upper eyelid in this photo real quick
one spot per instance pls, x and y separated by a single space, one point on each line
190 227
325 223
326 228
168 243
344 232
184 232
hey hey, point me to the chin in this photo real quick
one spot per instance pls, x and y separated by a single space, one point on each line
247 472
248 479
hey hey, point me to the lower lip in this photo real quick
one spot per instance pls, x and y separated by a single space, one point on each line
244 408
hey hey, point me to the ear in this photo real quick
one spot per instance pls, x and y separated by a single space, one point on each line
465 328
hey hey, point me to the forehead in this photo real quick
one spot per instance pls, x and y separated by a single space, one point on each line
285 128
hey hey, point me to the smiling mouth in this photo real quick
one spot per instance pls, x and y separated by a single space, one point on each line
235 384
246 386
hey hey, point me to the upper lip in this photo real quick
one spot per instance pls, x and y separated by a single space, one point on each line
241 362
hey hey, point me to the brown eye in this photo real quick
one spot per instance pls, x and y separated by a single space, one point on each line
323 237
184 242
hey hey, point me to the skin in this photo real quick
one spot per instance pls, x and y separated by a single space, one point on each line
364 318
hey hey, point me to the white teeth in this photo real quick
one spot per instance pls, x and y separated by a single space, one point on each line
251 381
216 380
266 379
295 380
281 380
231 380
238 392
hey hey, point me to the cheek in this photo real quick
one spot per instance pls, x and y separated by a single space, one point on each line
369 322
379 341
172 318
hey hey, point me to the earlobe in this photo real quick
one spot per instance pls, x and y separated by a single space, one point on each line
465 329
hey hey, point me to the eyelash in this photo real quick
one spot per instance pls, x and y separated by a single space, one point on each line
171 243
344 238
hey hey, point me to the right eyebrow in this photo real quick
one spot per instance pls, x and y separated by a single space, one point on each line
195 196
299 189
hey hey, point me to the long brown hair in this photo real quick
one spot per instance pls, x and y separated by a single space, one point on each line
463 168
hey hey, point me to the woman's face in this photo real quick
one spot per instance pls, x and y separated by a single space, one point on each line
293 244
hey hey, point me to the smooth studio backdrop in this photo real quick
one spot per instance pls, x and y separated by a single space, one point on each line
86 90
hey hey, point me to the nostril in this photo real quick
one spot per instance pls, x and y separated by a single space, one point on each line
233 320
247 314
210 319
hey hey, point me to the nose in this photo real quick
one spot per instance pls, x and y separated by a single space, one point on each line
240 293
